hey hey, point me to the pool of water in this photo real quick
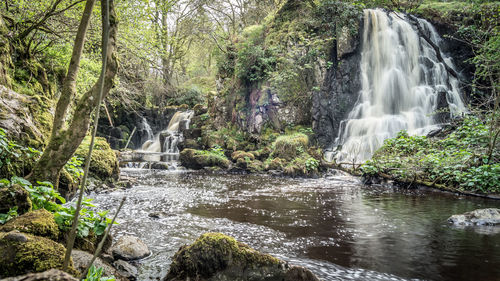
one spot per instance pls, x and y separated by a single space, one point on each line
335 226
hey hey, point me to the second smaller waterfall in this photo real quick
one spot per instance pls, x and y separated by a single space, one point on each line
167 140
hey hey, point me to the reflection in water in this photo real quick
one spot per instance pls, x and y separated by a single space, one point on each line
337 227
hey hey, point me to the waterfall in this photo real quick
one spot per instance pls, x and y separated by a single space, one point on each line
167 140
401 80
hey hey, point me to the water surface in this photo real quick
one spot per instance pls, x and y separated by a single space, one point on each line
337 227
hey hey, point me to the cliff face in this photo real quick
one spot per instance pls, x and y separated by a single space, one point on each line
340 90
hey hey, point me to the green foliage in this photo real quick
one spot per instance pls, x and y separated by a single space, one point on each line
255 62
312 164
74 168
96 274
44 196
460 160
10 215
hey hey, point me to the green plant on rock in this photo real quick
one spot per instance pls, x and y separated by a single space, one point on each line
312 164
9 215
96 274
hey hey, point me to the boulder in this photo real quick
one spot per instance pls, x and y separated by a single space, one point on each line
489 216
103 163
49 275
215 256
13 196
24 253
126 270
197 159
40 222
81 260
130 248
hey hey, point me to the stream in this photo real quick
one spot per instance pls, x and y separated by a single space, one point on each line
337 227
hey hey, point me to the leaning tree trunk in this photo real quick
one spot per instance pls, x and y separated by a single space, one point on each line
65 140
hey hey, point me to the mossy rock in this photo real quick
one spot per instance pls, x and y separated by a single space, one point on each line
24 253
290 146
13 196
212 253
198 159
88 243
275 164
255 166
242 155
104 163
40 222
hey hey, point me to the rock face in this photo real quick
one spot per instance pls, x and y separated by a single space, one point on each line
14 196
130 248
215 256
40 222
23 253
489 216
49 275
339 92
15 115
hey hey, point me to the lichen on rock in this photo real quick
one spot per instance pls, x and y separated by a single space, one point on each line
215 256
24 253
40 222
198 159
104 163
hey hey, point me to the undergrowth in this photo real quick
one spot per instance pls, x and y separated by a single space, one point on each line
461 160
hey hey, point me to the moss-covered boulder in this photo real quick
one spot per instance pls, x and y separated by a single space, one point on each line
198 159
104 163
242 155
49 275
217 257
24 253
290 146
40 222
13 196
88 243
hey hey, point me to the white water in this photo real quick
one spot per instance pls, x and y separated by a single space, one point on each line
400 80
173 132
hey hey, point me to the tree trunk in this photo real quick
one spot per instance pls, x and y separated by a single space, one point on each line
64 141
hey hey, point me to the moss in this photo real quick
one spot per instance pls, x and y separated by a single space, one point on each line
87 244
275 164
104 163
242 155
14 196
290 146
255 166
198 159
24 253
40 222
212 253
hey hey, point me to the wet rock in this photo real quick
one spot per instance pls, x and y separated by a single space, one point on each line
130 248
215 256
23 253
81 260
126 270
49 275
489 216
159 166
39 222
196 159
157 215
13 196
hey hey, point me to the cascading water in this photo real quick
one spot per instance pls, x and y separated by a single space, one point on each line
167 140
401 79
